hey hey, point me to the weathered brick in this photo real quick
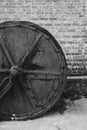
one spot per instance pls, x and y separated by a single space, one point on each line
66 20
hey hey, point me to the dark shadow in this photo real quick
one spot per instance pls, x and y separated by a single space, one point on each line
59 107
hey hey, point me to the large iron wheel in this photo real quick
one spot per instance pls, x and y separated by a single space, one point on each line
32 71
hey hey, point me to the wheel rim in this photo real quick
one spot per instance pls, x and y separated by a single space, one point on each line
34 66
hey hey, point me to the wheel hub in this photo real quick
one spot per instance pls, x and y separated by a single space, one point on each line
14 71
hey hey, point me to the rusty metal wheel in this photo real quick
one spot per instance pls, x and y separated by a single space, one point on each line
32 71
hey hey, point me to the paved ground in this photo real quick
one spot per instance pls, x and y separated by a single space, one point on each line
74 118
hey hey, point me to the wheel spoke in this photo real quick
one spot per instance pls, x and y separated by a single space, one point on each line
3 87
30 49
3 81
43 77
4 70
41 72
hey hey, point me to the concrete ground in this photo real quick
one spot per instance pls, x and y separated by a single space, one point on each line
74 118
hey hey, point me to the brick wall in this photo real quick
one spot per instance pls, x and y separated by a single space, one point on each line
65 19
